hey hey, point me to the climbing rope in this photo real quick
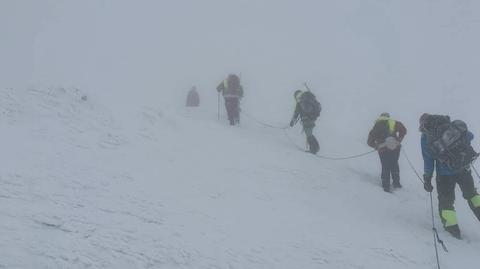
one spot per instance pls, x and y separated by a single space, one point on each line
263 123
291 140
411 166
284 129
436 237
327 157
345 158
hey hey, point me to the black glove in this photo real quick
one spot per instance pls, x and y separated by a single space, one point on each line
427 183
292 123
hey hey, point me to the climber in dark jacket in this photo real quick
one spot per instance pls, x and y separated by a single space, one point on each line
386 137
232 92
446 180
306 100
193 98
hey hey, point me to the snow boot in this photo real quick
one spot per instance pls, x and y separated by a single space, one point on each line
396 180
386 183
313 144
454 230
476 211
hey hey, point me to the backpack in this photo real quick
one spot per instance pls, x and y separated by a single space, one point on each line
231 86
193 98
381 130
310 106
233 82
449 142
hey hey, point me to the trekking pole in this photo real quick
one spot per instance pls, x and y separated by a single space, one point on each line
435 234
296 121
218 106
306 86
436 237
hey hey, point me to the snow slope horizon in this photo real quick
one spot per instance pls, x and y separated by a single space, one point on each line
85 187
360 57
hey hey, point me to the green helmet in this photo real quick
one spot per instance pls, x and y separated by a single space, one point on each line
385 114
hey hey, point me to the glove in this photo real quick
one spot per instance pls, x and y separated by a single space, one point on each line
427 183
292 123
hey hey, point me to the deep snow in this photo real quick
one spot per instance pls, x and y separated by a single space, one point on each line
175 188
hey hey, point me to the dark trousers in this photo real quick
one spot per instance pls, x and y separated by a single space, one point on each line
446 192
233 109
389 160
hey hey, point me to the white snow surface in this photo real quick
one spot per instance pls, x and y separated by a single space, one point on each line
171 187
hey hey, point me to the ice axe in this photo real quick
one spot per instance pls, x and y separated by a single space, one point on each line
306 86
218 106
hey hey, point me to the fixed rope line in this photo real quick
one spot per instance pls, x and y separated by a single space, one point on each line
345 158
326 157
265 124
300 148
411 166
291 140
436 237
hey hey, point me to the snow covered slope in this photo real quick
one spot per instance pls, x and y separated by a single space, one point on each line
82 186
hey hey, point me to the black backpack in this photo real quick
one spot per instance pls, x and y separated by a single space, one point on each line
381 130
449 142
310 106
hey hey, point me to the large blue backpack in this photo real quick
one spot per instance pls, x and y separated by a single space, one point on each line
449 142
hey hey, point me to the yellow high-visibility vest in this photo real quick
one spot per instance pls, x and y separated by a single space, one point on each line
391 124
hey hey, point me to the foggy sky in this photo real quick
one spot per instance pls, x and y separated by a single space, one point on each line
369 49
